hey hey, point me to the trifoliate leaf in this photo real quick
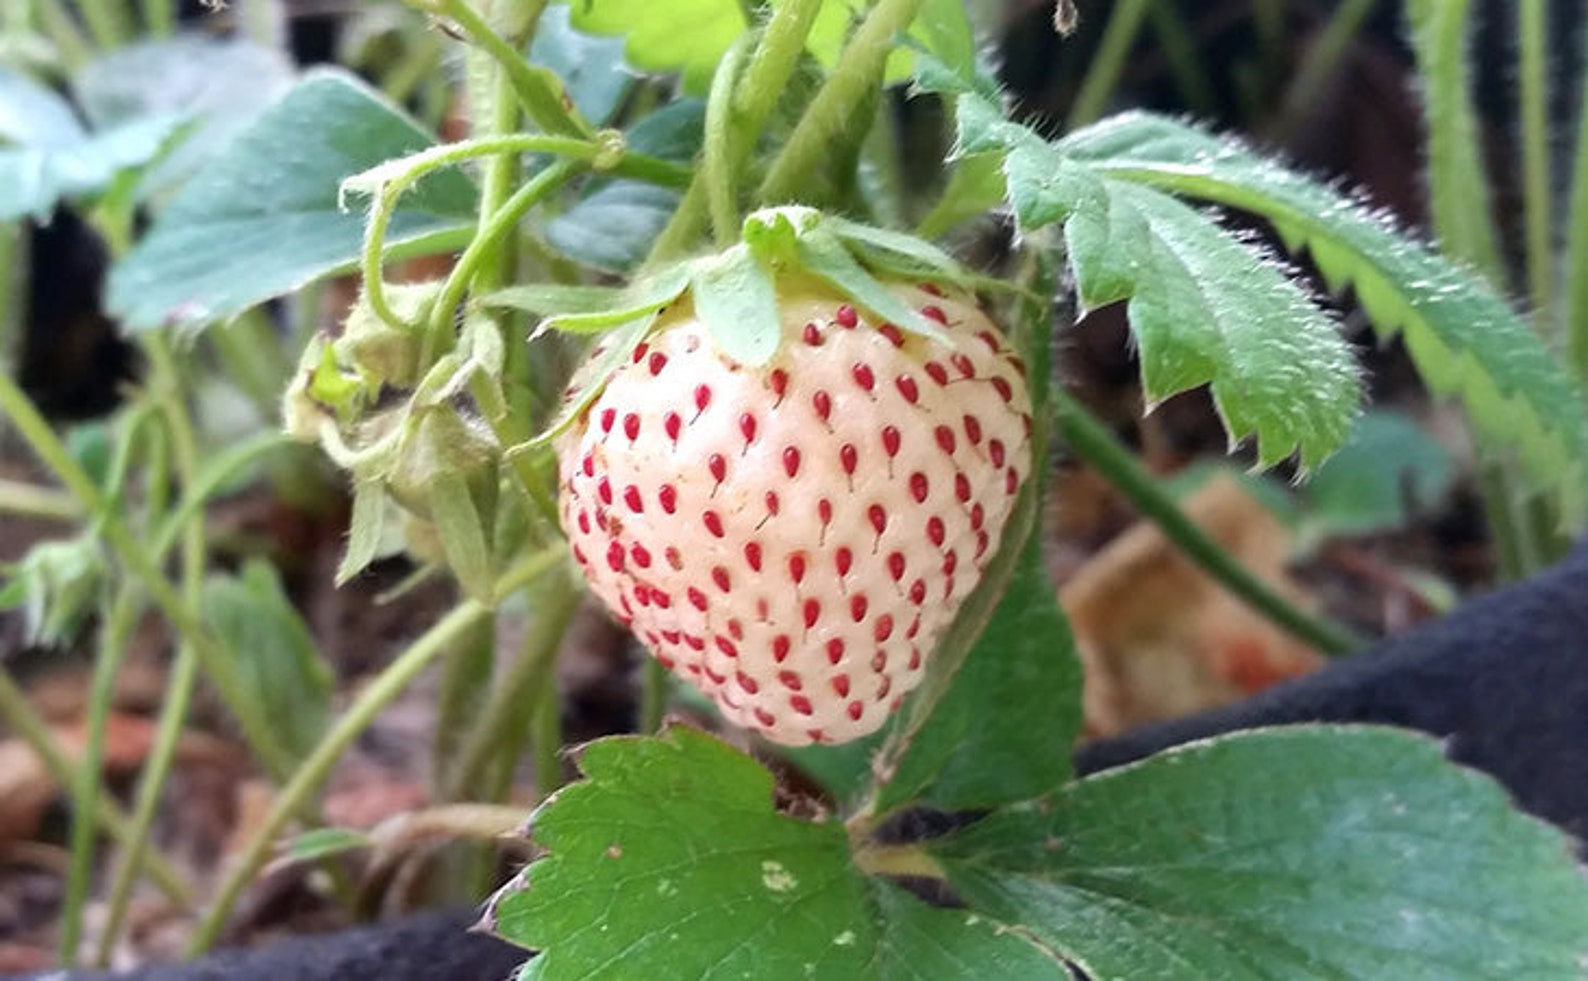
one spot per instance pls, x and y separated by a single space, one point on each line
1304 852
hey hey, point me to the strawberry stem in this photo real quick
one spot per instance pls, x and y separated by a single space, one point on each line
717 159
763 84
854 84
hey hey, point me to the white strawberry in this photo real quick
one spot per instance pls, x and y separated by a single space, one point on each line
794 538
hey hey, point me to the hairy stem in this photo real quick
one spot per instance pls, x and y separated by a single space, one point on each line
1537 189
763 83
514 700
717 159
114 635
1092 442
854 82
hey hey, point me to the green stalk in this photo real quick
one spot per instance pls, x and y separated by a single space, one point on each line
1092 442
151 787
317 766
1537 203
25 723
107 22
547 736
1319 64
855 81
13 283
159 17
1268 17
1575 300
763 84
485 248
656 686
1108 64
115 633
514 700
184 672
1458 202
38 503
717 159
41 439
1185 60
532 87
63 31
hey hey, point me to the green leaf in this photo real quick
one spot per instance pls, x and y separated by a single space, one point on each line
33 179
670 860
1203 307
274 654
1327 852
591 68
33 115
691 36
1463 337
58 585
687 36
311 846
613 227
220 85
263 217
735 299
591 309
463 535
364 530
546 299
1389 462
1005 730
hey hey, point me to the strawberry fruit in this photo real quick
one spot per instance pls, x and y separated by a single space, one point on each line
793 538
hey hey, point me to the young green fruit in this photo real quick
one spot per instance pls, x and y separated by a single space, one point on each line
794 538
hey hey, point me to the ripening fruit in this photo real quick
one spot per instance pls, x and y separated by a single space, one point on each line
793 539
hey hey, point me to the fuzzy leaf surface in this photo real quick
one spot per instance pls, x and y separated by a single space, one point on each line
1204 307
1465 339
1302 852
669 861
263 219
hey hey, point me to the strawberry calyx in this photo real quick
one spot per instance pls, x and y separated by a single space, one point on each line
735 292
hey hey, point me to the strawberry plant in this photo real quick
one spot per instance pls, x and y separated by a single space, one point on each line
688 355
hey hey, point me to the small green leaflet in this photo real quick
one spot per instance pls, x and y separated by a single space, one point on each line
669 860
1308 851
616 347
736 300
272 651
1465 339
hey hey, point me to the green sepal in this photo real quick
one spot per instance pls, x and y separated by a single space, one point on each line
620 344
736 300
647 296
